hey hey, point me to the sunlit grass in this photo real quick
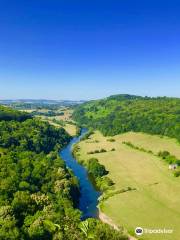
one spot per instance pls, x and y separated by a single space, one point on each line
156 202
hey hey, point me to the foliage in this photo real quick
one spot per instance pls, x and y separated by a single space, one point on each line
102 150
60 122
170 159
99 231
38 194
177 173
49 113
122 113
96 171
8 114
111 140
98 174
87 135
32 134
78 130
110 194
95 168
131 145
103 183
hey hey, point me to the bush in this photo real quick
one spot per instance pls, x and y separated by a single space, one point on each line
95 168
87 135
104 183
91 152
163 154
96 151
111 140
177 173
170 159
102 150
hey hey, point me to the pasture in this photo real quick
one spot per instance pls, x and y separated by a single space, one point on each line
156 201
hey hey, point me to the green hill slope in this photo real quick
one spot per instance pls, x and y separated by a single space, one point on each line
122 113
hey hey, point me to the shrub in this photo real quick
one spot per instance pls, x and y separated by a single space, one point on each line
104 183
102 150
96 151
163 154
87 135
177 173
111 140
95 168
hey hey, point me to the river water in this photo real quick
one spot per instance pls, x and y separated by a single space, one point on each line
89 195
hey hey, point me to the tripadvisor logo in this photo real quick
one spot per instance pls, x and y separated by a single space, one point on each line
139 231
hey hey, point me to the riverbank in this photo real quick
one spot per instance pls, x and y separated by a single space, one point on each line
105 219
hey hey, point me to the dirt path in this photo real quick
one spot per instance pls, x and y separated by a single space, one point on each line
104 218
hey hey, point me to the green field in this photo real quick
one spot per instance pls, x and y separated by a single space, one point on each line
156 201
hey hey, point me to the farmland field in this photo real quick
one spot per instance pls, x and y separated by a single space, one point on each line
70 128
156 201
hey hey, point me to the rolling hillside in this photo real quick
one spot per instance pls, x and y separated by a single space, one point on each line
123 113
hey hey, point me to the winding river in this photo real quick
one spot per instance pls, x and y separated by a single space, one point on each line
88 194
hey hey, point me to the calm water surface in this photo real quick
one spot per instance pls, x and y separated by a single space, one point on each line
89 195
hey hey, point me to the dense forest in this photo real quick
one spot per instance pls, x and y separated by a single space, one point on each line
7 114
122 113
38 194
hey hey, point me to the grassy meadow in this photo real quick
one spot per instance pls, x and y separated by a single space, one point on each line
156 201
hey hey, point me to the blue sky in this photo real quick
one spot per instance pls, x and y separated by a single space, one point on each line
62 49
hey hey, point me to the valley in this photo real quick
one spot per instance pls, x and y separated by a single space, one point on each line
122 173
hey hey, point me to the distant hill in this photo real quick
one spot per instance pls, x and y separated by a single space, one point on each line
121 113
39 103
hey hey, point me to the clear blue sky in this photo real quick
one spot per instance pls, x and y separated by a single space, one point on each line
62 49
